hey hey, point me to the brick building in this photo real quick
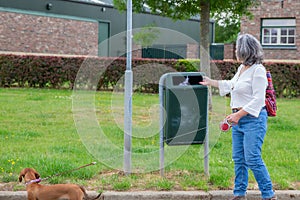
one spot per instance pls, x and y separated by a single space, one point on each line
87 27
30 33
276 23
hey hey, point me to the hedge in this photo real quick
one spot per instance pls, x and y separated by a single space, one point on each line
108 73
285 76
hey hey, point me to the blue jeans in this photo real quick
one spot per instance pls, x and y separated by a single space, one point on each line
247 139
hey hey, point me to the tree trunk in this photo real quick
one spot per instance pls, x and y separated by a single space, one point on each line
205 67
204 42
204 37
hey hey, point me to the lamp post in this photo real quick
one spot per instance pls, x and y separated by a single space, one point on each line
128 94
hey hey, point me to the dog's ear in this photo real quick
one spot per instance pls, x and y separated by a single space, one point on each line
37 175
22 174
20 178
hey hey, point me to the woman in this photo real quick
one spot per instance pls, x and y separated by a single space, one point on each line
248 117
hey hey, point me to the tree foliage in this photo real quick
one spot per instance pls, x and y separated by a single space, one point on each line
185 9
226 33
146 35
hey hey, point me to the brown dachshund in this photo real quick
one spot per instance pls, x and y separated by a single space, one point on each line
35 191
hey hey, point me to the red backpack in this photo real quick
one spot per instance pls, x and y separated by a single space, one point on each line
270 97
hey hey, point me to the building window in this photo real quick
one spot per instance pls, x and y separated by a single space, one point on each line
278 32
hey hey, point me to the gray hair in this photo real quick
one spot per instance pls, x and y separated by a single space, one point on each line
249 50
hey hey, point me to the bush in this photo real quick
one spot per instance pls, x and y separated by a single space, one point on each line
62 72
285 76
38 71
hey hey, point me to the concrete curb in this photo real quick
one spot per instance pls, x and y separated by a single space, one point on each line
167 195
151 195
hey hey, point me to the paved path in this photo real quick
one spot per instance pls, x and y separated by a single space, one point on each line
172 195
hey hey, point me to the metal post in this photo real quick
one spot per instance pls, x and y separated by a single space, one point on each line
206 143
128 94
161 125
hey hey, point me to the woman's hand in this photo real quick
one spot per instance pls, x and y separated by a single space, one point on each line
235 117
206 81
209 82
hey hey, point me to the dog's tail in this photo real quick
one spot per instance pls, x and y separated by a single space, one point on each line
86 195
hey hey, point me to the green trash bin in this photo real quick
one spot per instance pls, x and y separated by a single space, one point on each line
185 104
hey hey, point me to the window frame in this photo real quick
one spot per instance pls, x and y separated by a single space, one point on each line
273 24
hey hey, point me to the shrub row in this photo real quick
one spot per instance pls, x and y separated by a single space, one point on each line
285 76
108 73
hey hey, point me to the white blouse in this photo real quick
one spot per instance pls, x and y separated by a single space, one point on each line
247 90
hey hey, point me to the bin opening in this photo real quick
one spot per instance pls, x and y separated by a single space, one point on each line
186 80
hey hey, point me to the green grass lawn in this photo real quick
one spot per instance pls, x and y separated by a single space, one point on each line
58 130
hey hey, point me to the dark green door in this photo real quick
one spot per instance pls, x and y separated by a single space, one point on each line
103 36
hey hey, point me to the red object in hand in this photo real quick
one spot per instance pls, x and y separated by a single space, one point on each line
224 125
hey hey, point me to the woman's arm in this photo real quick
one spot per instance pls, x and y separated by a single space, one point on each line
224 86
